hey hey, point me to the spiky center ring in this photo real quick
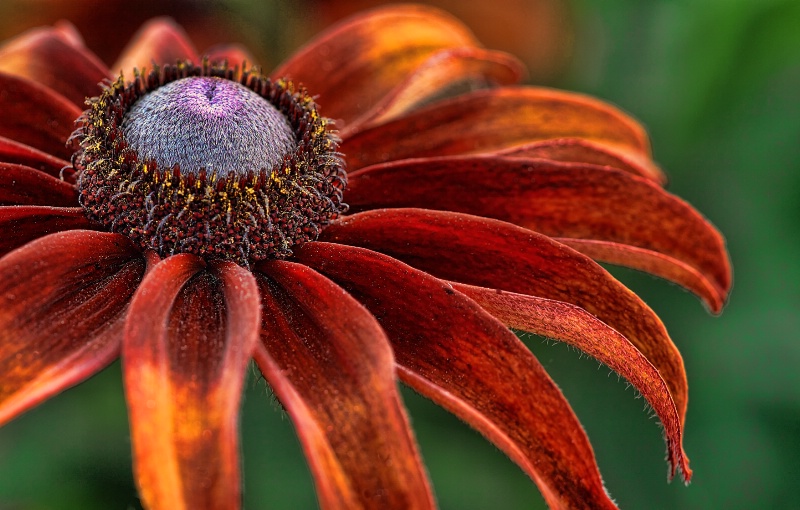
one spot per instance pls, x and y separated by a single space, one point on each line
209 160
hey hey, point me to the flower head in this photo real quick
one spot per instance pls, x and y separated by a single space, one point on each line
205 160
195 216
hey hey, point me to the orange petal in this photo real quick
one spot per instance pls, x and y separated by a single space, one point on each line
499 255
188 338
577 327
490 120
36 115
22 185
453 352
540 32
49 57
576 150
618 217
159 41
19 153
354 64
443 72
331 366
62 305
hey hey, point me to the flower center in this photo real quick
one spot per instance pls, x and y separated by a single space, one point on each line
211 123
211 161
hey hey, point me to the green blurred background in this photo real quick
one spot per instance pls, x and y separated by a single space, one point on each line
717 83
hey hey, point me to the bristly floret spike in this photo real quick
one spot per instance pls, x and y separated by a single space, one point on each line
240 214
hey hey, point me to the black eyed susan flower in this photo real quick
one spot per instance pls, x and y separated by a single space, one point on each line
382 207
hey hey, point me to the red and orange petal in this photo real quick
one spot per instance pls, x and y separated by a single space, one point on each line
538 31
498 255
22 224
442 71
232 54
161 41
577 327
35 115
635 222
490 120
50 57
22 185
188 338
579 150
331 366
62 304
12 151
459 356
353 65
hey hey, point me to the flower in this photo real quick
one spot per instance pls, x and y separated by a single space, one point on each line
475 205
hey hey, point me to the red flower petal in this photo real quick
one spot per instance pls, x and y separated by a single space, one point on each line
19 153
47 56
36 115
160 41
188 338
440 73
62 304
624 219
490 120
667 267
22 185
69 33
331 366
452 351
353 65
576 150
21 224
233 54
577 327
499 255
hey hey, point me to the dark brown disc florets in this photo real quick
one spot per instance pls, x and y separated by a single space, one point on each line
209 160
